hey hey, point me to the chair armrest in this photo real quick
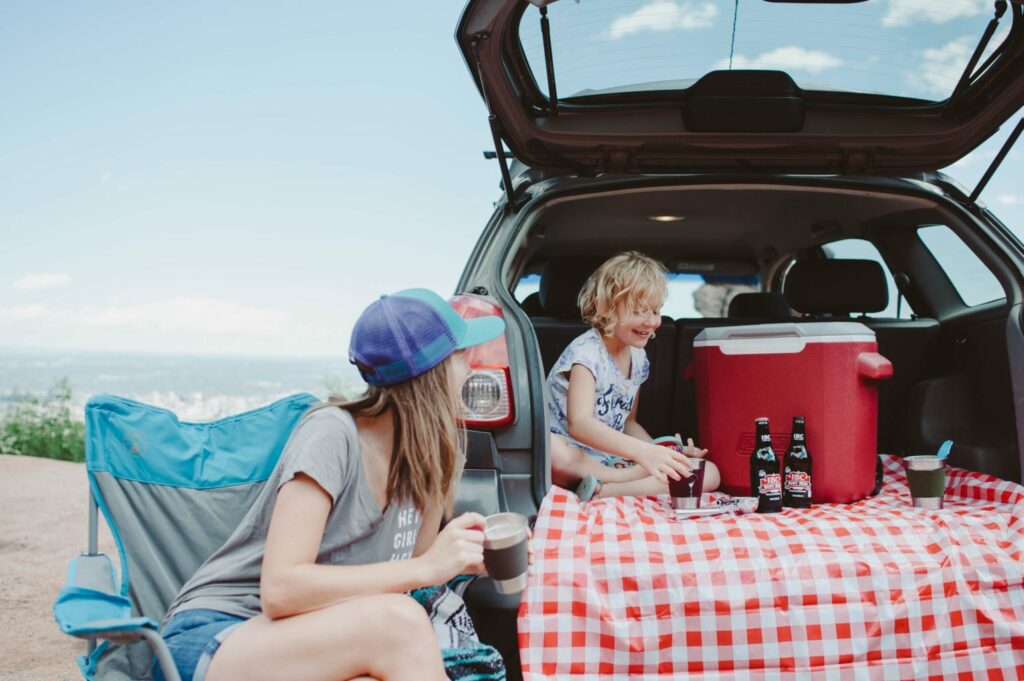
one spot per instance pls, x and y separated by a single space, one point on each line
90 606
88 613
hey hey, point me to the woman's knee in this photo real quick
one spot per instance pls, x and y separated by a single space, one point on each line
403 624
398 613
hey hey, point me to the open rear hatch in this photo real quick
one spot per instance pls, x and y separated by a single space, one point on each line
696 86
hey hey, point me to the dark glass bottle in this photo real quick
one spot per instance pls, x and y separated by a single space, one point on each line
765 480
796 468
878 476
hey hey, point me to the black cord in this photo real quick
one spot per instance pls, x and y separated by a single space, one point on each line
732 45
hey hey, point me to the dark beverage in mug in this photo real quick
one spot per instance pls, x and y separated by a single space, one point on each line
796 469
686 492
765 479
506 555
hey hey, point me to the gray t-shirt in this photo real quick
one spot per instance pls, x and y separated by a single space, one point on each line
614 393
324 446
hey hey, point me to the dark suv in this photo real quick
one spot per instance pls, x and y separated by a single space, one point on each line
765 198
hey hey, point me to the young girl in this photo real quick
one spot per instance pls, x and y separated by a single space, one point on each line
593 386
310 585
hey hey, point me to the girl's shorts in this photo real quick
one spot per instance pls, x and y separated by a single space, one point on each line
193 636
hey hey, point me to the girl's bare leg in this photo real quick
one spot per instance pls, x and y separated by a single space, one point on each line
569 464
650 486
385 636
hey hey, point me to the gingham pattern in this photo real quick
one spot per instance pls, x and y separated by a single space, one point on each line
871 590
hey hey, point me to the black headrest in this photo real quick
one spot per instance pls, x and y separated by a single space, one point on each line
531 305
759 305
560 285
836 287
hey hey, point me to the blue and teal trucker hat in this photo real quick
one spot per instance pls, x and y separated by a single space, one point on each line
410 332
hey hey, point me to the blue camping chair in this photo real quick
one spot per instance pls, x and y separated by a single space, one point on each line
171 493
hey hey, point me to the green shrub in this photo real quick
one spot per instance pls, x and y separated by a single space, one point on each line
43 426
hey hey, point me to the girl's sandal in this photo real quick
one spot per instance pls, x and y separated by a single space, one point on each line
589 488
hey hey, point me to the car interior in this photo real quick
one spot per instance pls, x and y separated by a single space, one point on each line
951 363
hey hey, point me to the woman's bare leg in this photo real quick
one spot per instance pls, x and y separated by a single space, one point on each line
569 464
650 486
385 636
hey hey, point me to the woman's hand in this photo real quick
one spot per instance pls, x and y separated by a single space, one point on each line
663 462
458 549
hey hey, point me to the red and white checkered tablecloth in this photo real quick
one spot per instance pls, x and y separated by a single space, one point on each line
871 590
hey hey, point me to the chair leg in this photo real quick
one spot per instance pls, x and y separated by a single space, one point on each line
163 655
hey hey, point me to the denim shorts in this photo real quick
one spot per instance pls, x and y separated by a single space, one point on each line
193 636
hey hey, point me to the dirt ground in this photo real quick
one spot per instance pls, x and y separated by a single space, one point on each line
43 516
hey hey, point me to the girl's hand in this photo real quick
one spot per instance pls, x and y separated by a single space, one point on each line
693 450
664 463
458 549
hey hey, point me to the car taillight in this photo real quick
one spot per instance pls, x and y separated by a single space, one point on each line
487 393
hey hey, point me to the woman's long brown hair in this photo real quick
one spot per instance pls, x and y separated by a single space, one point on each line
428 442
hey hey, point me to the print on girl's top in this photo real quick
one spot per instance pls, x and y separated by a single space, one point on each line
405 534
614 395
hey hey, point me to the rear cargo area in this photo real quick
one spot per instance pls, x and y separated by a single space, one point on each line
947 383
800 254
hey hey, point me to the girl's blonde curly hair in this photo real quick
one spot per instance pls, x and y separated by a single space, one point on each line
630 277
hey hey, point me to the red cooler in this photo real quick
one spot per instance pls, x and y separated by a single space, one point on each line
826 372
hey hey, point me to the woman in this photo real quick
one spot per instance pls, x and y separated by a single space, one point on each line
311 584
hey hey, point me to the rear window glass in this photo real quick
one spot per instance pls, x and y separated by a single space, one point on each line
527 286
696 295
689 295
861 249
909 48
972 279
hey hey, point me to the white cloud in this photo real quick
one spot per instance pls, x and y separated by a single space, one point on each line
179 325
943 65
201 316
27 313
786 59
906 12
1008 199
191 315
665 15
35 282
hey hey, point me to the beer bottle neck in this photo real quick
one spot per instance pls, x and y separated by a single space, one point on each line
763 435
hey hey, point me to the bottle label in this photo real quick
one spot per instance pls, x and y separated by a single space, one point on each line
798 437
770 485
766 438
798 483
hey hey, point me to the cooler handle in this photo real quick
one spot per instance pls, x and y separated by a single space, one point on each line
873 366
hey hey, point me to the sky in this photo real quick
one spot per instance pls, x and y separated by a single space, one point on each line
244 177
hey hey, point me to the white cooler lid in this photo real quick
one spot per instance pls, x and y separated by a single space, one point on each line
781 338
